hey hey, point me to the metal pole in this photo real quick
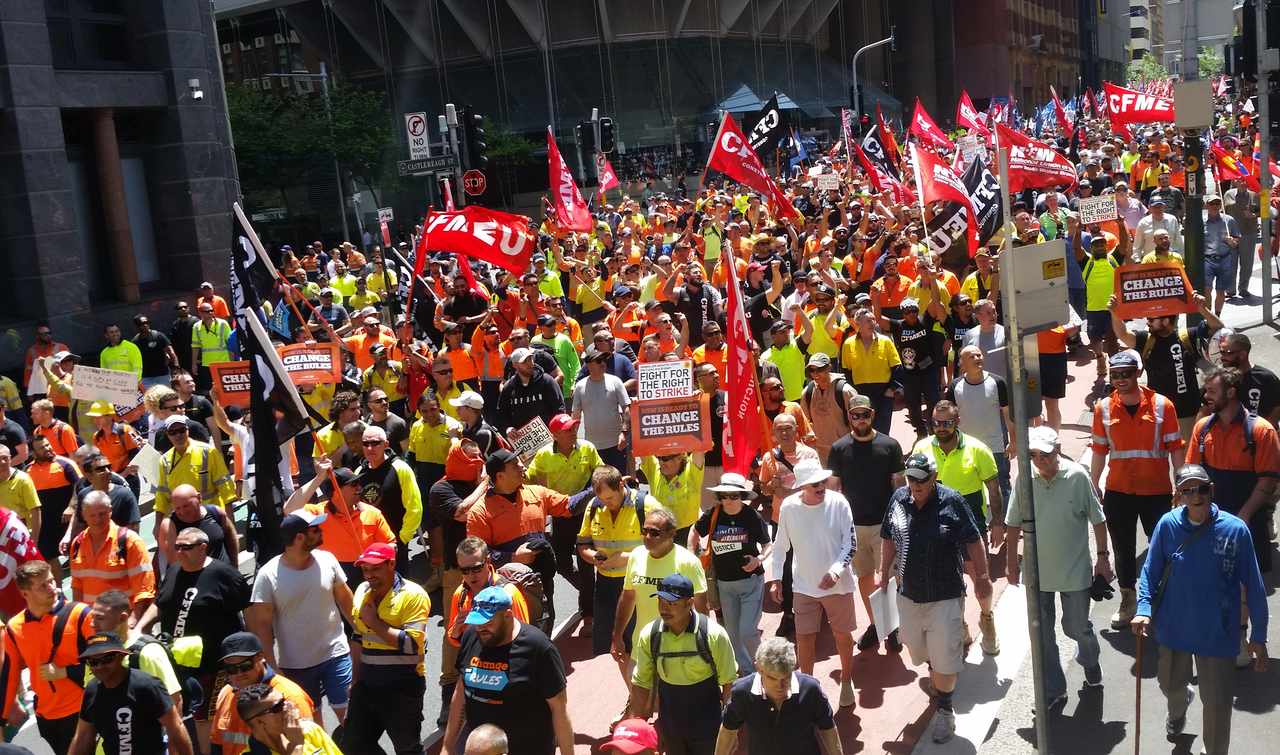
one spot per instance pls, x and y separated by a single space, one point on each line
546 63
1030 562
337 172
1264 164
857 107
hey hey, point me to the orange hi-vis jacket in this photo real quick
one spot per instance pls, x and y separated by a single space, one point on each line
121 563
461 603
1139 446
30 642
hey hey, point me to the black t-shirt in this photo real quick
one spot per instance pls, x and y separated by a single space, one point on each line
210 523
760 313
204 604
956 328
124 506
509 686
397 430
152 346
698 306
1171 370
1261 391
444 499
180 337
199 409
737 537
12 435
915 344
790 728
130 712
469 304
719 404
866 470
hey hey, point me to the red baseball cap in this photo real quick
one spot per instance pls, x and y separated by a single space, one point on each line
377 553
632 736
563 422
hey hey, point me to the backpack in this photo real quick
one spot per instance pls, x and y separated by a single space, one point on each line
192 693
529 584
1250 445
701 641
122 550
59 628
637 502
1184 338
838 383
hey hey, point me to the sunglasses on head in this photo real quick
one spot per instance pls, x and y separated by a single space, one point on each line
1204 489
472 569
243 667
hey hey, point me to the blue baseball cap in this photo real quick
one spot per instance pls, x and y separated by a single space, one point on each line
674 587
489 603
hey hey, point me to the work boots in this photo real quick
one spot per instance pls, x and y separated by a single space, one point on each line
1128 607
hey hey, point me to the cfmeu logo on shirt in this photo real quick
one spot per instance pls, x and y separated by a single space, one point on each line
486 675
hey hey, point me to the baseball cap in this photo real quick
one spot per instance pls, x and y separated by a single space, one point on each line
620 290
674 587
206 284
919 466
498 461
240 644
632 736
539 258
861 401
377 553
471 399
63 356
1155 199
1086 182
754 266
103 642
521 354
779 326
862 299
177 419
546 321
819 360
1212 198
1189 472
344 476
326 291
378 349
489 603
562 422
101 409
1126 358
298 522
1042 439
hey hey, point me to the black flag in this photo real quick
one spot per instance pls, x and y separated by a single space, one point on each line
271 392
874 149
765 127
984 191
947 228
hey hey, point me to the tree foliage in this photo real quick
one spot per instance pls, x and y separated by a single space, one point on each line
1211 63
505 146
1147 68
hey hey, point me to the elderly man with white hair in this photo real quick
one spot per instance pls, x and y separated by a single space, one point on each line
783 709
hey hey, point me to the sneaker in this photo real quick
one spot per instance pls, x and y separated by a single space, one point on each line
1174 727
926 686
1093 676
588 627
787 627
1128 607
1245 659
990 641
892 643
869 638
846 694
1054 702
944 726
968 638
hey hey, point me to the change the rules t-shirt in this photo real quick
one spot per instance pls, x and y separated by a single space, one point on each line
509 686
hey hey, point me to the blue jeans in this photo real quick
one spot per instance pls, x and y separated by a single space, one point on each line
330 679
1002 467
742 601
1077 626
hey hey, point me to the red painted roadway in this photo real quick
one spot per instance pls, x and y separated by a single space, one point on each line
892 711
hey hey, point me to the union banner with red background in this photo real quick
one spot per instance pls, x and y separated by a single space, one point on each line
1156 289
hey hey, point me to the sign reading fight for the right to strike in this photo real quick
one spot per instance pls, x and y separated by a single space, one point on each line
1156 289
1098 209
527 441
663 380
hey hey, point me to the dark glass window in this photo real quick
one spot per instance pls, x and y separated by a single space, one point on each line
88 33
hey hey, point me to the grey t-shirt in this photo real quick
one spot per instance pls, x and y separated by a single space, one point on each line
601 403
980 409
306 619
995 357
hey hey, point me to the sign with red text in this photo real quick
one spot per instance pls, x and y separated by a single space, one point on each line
1156 289
667 426
664 380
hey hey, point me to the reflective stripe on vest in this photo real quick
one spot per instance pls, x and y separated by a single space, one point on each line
1157 450
220 352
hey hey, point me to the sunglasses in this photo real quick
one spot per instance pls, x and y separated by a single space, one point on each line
443 372
243 667
910 311
730 496
669 457
382 400
178 430
186 546
1039 454
1122 374
944 423
1204 489
821 299
277 708
372 443
103 468
472 569
101 660
652 531
860 415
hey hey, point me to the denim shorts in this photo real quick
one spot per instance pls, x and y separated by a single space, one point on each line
330 679
1220 274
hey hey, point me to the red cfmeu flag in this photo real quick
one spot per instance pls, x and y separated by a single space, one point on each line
939 183
448 196
1130 106
886 138
742 416
571 210
496 237
967 115
608 179
924 127
16 548
1060 111
1033 164
733 156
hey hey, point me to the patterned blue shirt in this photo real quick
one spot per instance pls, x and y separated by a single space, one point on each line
930 542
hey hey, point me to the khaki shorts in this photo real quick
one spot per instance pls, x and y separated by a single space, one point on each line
840 610
867 558
933 633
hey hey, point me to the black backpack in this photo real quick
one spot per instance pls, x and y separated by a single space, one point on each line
1250 419
192 693
701 641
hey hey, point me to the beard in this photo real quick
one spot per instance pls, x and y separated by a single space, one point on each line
864 433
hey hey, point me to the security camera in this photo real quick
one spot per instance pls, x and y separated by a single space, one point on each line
194 85
197 95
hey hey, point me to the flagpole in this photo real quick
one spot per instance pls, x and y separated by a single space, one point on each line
705 170
924 212
407 338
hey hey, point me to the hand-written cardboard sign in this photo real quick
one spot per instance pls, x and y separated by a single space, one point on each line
232 381
827 182
96 384
308 364
1098 210
530 439
664 380
1156 289
671 425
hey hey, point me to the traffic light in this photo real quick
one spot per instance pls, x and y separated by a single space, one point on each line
864 125
585 131
1246 43
606 135
473 146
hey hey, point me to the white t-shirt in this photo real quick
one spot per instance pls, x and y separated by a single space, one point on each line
603 404
306 619
825 543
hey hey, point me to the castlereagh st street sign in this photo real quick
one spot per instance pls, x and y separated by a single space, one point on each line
427 166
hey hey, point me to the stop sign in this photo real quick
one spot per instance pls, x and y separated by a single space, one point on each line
473 183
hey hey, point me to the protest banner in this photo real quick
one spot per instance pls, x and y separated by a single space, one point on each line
147 460
309 364
1097 210
1156 289
664 380
827 182
666 426
232 381
530 439
96 384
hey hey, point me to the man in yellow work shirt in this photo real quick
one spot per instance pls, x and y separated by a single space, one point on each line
210 344
197 464
120 354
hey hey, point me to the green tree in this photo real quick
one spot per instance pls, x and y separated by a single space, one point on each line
505 150
1211 63
363 132
1147 68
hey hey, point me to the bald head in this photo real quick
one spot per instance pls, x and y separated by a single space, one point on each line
486 739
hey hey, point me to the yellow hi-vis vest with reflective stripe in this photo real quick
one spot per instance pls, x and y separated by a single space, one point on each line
214 343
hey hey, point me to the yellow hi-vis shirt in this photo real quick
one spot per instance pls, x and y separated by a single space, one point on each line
200 466
125 358
403 608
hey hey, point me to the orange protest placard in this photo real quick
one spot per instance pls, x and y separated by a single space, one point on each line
1156 289
232 380
308 364
665 426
